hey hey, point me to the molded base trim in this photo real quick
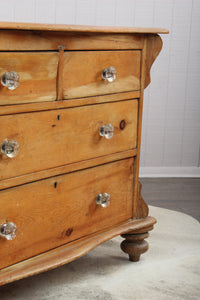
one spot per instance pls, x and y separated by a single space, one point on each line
69 252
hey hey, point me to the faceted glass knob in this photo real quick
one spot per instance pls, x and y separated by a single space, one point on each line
8 230
10 148
106 131
10 80
109 74
103 199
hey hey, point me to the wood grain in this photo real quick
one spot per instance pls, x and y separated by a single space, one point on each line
67 253
58 210
82 72
20 40
15 181
60 74
142 208
79 28
59 137
154 46
37 72
32 107
58 216
139 129
151 49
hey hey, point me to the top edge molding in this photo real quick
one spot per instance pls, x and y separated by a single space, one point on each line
80 28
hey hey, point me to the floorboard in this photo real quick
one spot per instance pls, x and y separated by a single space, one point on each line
180 194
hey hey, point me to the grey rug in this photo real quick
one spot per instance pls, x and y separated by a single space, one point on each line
169 270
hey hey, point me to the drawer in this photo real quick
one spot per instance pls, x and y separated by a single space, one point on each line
53 138
37 77
82 74
55 211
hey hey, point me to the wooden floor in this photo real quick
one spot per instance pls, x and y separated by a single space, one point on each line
180 194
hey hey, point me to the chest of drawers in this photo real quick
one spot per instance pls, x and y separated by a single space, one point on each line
71 102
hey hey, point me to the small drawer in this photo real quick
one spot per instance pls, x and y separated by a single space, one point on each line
37 141
83 71
28 77
55 211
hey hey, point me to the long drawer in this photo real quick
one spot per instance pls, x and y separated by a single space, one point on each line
53 138
34 78
82 74
55 211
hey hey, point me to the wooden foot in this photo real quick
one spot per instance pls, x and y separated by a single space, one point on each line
134 245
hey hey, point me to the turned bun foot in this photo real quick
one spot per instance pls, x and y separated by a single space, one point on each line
134 245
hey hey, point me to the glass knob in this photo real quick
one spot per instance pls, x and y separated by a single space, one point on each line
103 199
8 230
10 148
109 74
107 131
10 80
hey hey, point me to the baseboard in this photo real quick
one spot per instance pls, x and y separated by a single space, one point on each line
170 172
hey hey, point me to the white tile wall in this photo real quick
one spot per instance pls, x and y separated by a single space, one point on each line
171 128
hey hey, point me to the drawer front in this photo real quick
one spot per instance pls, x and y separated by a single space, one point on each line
37 77
82 75
58 137
55 211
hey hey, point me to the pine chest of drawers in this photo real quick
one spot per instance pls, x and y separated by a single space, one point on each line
70 130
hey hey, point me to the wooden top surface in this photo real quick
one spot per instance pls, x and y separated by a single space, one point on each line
79 28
